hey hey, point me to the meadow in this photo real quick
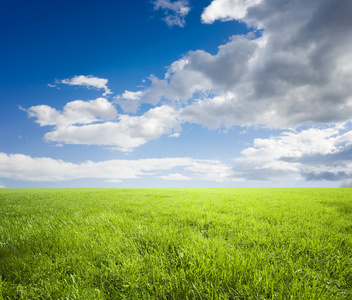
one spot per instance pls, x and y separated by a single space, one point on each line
176 244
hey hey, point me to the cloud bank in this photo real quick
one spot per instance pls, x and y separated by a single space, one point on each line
313 154
44 169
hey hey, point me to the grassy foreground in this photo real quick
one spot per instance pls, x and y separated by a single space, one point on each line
176 244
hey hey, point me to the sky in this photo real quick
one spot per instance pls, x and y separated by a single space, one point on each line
182 93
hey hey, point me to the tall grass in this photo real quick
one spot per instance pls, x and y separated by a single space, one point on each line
176 244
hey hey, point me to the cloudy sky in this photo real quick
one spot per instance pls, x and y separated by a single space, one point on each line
176 93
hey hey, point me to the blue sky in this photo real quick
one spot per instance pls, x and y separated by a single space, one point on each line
161 93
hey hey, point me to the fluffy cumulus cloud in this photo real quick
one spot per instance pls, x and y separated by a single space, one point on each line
89 82
97 122
27 168
295 67
175 11
226 10
313 154
75 112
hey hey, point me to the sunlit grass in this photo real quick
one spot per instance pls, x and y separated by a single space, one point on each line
176 244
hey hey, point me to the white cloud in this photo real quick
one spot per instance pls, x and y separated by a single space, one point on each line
312 154
89 81
226 10
2 186
132 95
175 11
75 112
23 167
96 122
296 70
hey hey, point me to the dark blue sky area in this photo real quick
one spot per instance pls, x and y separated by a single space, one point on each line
59 39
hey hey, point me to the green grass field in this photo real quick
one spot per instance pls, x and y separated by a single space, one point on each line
176 244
